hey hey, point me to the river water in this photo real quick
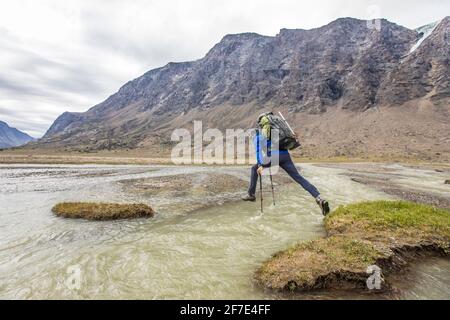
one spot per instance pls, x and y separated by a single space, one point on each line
211 253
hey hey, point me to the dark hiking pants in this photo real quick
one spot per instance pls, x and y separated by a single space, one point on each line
287 165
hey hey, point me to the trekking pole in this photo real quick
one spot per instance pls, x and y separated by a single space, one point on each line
271 182
261 192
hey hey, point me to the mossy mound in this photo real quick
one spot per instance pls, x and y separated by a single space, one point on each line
360 235
102 211
317 264
391 222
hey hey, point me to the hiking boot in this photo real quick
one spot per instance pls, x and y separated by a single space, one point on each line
324 206
249 198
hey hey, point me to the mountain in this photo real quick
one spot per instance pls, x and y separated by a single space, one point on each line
349 88
11 137
425 31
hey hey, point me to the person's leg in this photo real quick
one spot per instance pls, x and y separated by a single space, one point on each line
253 181
287 165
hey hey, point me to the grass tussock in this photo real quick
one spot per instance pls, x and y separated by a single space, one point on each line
388 222
360 235
300 267
102 211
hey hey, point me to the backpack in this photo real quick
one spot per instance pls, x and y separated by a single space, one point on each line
287 138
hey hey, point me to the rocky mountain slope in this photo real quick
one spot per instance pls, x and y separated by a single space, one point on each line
348 89
11 137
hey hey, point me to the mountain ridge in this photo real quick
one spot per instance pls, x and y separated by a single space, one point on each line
343 65
12 137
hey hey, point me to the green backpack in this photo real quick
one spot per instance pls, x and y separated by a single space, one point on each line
287 139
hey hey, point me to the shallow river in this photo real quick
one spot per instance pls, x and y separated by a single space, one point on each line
211 253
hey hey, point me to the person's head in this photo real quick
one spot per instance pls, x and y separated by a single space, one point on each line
261 116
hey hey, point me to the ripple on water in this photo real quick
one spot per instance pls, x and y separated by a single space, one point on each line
212 253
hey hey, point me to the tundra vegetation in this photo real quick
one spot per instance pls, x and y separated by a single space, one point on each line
102 211
383 233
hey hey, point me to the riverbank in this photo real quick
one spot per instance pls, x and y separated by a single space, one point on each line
152 157
390 180
385 234
64 159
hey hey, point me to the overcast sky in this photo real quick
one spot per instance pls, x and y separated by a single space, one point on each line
69 55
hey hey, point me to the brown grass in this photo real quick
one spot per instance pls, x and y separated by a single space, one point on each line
102 211
146 157
305 266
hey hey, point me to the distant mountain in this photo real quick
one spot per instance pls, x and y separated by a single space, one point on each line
11 137
347 70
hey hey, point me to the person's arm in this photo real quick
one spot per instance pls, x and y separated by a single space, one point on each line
262 144
258 146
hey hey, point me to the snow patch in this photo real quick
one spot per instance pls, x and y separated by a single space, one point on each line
427 30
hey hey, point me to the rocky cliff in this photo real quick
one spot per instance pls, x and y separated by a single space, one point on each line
374 80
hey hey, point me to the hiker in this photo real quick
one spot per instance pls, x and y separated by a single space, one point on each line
264 153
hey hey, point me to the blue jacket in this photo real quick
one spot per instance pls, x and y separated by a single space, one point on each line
264 151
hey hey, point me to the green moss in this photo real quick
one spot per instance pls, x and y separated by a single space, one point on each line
360 235
102 211
390 216
304 263
342 251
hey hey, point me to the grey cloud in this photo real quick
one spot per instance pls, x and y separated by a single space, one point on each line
76 77
156 52
34 123
30 78
49 89
17 88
